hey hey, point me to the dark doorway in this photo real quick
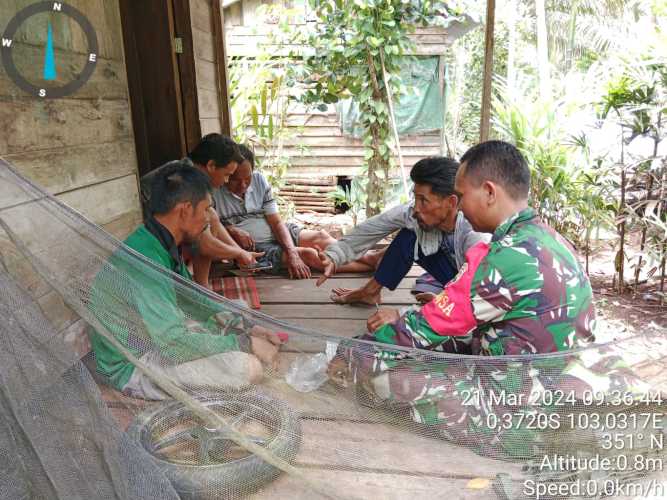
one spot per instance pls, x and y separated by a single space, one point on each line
157 35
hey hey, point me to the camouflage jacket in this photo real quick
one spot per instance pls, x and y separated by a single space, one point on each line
523 293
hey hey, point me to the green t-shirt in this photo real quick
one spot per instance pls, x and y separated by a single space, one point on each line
139 305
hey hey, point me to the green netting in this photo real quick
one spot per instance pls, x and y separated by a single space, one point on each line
201 417
420 110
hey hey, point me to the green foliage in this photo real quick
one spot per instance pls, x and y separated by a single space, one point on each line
353 196
638 98
259 100
598 134
577 192
567 189
355 52
570 190
465 63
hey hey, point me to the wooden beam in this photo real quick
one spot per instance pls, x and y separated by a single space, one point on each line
137 105
221 63
442 62
177 78
485 120
153 81
187 73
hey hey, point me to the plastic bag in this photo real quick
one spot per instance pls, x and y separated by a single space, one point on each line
307 373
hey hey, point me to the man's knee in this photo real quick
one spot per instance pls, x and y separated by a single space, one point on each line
322 239
322 235
309 256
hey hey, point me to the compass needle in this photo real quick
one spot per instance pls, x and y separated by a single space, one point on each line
45 70
49 57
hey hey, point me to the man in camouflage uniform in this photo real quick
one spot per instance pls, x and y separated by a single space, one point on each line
522 293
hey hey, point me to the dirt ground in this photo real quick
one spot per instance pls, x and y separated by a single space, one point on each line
639 307
636 310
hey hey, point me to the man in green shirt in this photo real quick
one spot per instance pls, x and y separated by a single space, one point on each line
159 317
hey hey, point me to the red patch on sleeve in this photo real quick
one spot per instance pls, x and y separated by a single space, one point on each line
450 313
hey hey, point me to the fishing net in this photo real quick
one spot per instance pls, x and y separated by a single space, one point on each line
171 402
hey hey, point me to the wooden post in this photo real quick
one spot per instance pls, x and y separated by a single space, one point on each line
485 120
188 74
221 64
442 84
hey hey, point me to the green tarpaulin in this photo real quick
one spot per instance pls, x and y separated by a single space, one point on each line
420 110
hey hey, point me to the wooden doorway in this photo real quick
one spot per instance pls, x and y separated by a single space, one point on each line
159 56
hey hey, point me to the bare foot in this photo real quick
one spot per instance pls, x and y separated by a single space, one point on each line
372 258
349 296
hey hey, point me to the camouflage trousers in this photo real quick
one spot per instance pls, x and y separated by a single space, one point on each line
498 407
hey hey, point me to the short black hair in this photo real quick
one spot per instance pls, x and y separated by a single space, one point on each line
500 162
219 148
176 183
247 153
438 172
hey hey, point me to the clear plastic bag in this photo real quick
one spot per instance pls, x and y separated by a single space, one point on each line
307 373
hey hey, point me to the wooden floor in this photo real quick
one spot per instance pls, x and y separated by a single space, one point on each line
347 450
304 304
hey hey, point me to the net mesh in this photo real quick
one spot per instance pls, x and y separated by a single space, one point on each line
173 402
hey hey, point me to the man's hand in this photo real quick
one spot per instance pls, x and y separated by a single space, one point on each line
382 317
266 334
245 258
296 268
241 237
338 371
265 351
329 268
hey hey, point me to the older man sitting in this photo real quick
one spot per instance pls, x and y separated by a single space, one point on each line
249 212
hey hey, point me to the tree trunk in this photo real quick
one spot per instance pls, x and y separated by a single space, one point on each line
620 256
543 51
588 247
374 189
487 78
379 133
649 194
662 215
572 35
511 48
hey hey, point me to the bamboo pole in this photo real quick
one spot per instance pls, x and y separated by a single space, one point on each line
662 208
221 67
620 257
485 119
394 128
649 194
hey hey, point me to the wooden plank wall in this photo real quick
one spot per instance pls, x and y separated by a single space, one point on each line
246 32
81 147
210 116
327 151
